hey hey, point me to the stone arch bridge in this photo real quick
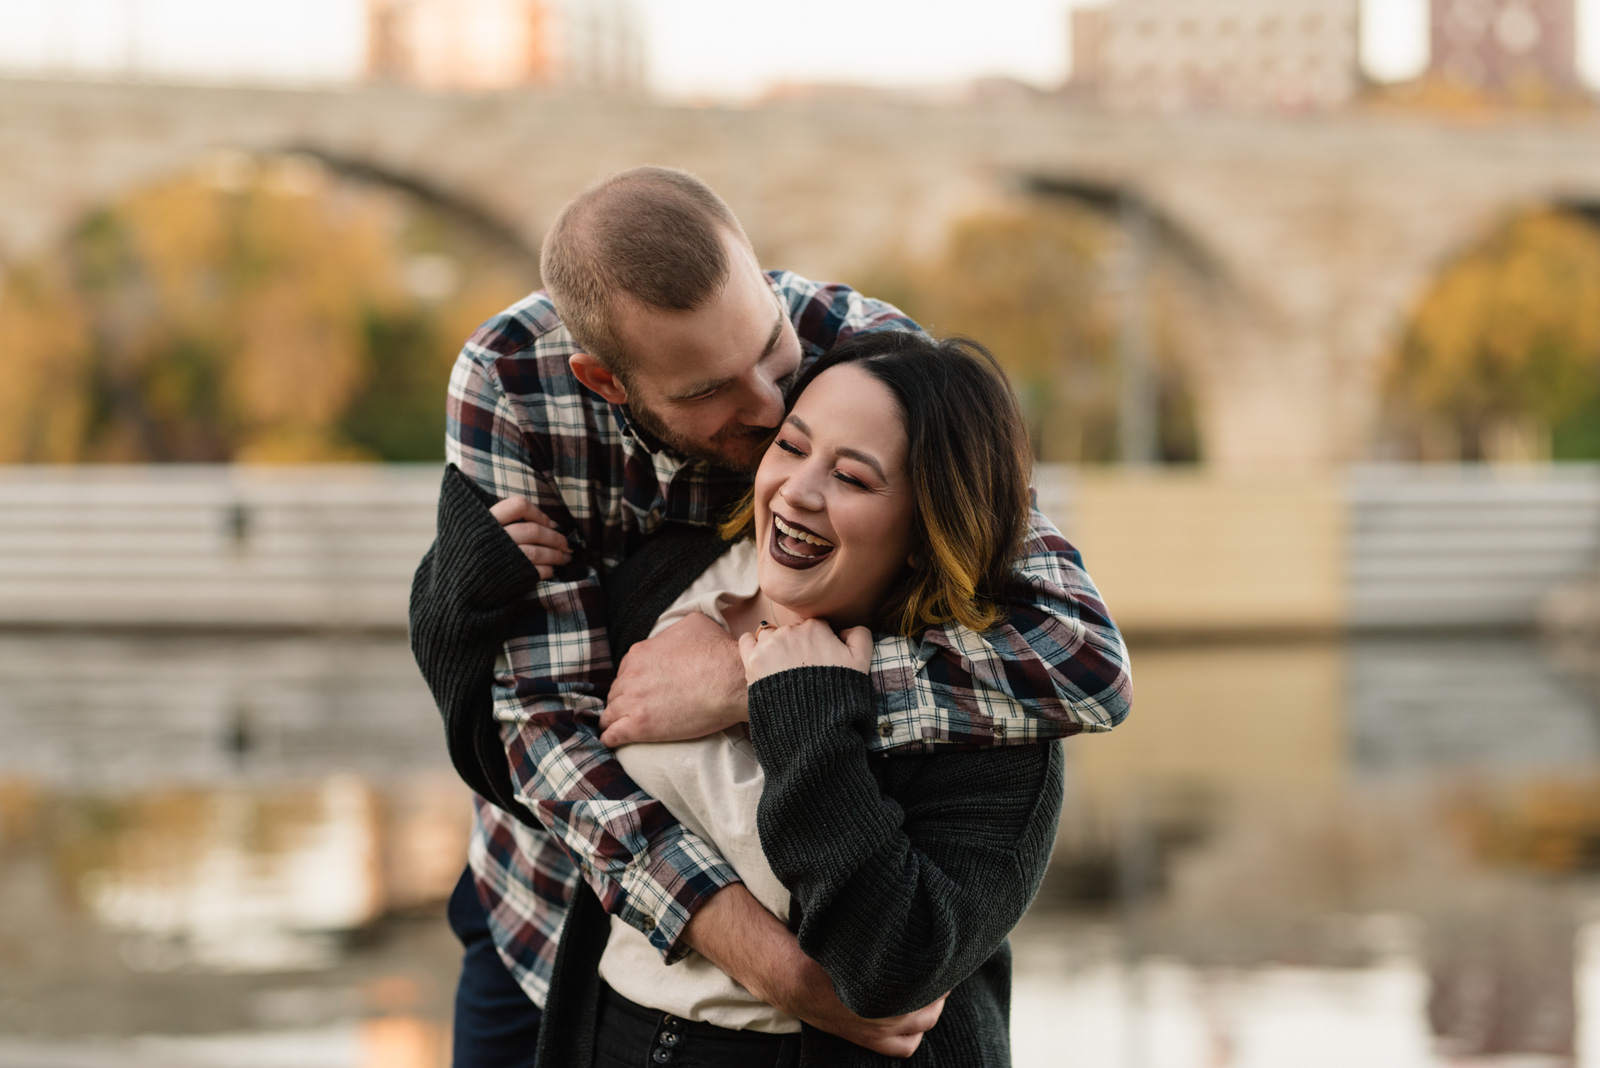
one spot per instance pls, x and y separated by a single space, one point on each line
1316 235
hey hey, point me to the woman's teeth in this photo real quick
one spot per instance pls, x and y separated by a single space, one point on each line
800 535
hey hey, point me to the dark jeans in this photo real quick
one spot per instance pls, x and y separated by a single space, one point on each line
496 1025
632 1036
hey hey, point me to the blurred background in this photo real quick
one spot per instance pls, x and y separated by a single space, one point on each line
1302 301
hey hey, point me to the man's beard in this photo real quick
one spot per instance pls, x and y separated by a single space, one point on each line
737 449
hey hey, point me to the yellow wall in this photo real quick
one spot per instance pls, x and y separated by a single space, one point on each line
1224 718
1198 553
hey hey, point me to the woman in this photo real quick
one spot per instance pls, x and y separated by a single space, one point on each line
894 496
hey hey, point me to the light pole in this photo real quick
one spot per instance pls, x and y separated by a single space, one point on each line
1138 440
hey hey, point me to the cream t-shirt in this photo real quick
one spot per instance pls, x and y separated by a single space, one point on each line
712 785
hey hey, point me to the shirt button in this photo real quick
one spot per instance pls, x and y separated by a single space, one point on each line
660 1056
999 730
648 923
886 729
669 1039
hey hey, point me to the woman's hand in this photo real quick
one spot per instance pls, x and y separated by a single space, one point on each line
534 532
809 643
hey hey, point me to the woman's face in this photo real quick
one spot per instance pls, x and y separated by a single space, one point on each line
834 501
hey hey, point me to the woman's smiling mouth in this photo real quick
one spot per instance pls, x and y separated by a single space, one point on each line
796 547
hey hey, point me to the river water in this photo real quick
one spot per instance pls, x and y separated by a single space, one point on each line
234 851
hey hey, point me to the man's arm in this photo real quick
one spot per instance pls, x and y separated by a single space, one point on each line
1057 665
644 866
741 937
1054 666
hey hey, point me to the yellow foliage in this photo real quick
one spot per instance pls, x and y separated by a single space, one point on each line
1509 335
44 350
1030 283
253 310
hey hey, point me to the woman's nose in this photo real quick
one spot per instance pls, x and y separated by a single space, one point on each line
803 490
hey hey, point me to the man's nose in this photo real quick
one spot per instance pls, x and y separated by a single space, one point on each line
763 405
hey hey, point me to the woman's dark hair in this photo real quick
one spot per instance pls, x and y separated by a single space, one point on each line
969 462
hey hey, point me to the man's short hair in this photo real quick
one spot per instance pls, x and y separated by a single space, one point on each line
651 235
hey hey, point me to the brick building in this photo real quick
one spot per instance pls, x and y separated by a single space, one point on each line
502 44
1506 47
1178 55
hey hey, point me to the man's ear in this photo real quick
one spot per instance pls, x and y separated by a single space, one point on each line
592 373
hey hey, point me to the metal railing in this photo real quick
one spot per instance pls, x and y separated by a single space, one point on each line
335 546
213 546
1446 545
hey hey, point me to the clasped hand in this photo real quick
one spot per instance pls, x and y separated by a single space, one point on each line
809 643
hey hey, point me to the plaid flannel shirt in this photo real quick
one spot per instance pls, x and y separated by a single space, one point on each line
520 424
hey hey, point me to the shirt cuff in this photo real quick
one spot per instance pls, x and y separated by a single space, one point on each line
667 885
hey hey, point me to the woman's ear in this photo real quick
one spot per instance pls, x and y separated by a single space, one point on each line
592 373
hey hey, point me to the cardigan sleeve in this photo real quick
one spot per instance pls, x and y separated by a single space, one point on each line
900 898
464 597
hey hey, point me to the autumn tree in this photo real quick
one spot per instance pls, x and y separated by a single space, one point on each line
1506 346
1030 283
254 310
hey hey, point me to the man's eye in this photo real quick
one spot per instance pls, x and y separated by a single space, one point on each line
707 395
786 447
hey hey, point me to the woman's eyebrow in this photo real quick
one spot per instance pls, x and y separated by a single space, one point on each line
854 454
865 458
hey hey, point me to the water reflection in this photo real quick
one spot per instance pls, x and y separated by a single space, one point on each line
235 880
1423 708
1348 828
96 713
223 852
1378 852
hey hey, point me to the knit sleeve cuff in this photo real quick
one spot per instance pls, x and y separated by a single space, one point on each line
789 709
486 568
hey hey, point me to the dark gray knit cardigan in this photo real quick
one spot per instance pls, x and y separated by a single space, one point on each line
907 871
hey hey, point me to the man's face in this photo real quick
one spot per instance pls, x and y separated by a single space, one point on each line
710 382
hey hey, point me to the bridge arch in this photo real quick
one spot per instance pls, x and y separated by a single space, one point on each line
1159 268
1329 228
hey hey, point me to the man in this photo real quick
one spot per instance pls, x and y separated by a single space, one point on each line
641 389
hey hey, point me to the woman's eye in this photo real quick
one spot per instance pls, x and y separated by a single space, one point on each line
851 479
786 447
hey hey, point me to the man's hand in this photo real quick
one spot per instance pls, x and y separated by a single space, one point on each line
686 682
534 532
809 643
753 947
812 999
